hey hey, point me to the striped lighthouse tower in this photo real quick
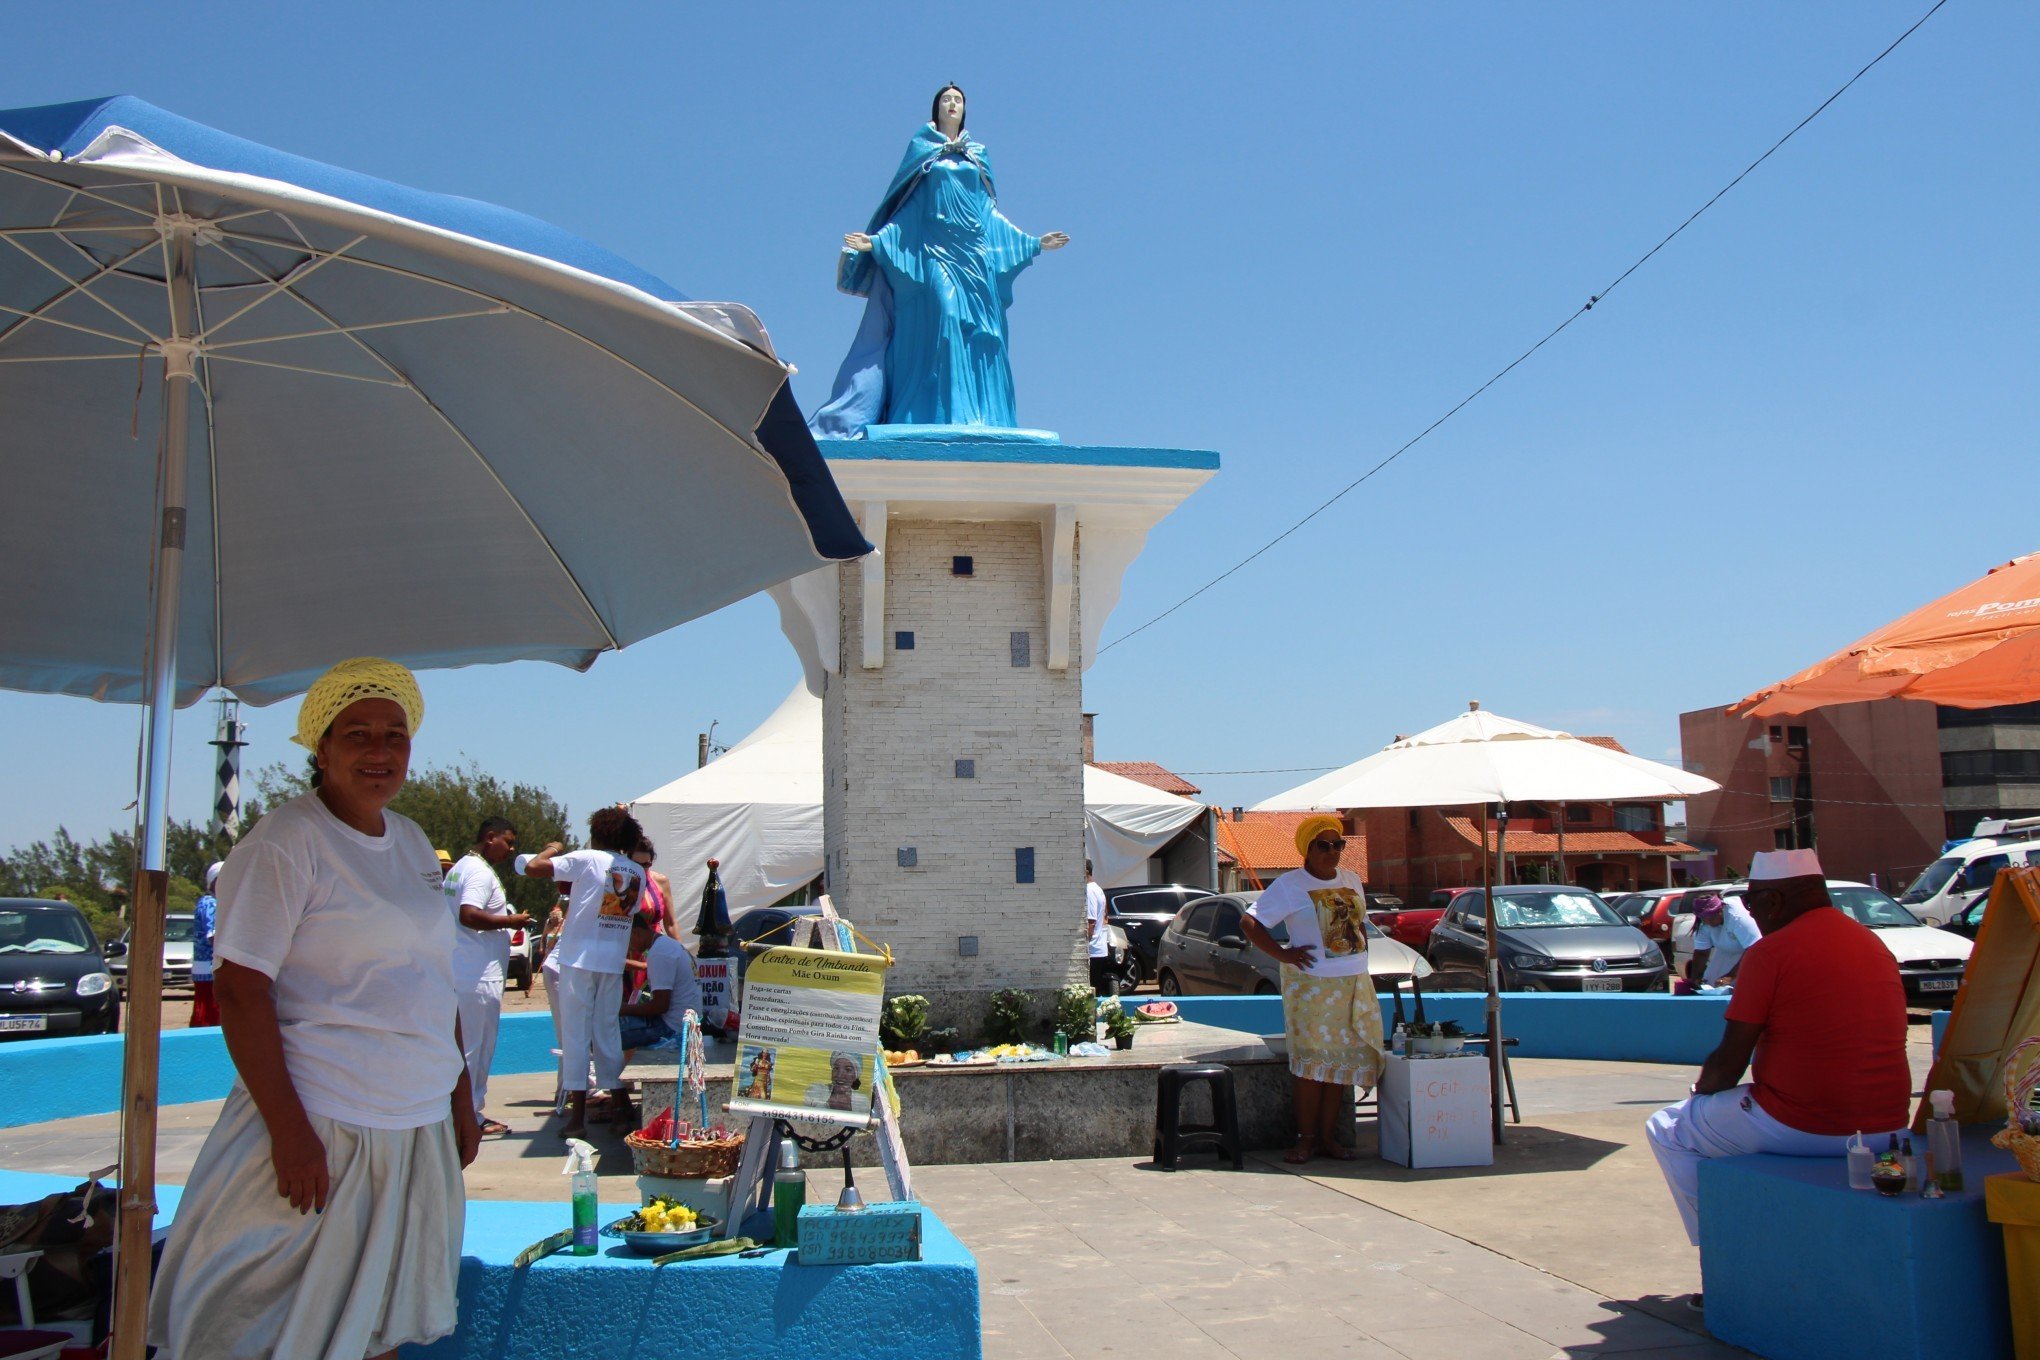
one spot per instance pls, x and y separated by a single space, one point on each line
225 827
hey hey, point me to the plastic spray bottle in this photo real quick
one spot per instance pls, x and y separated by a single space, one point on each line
1944 1143
581 1166
789 1192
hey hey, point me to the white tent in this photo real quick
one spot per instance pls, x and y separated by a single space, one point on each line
757 811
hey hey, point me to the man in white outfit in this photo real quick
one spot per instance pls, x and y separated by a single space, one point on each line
481 951
1819 1006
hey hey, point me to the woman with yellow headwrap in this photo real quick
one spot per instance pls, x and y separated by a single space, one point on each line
1329 1015
323 1218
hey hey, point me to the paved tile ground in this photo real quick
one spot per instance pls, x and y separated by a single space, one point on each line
1567 1246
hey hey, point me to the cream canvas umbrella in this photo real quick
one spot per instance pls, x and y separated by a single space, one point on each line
1480 758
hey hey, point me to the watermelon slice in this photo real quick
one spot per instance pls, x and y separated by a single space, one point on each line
1159 1010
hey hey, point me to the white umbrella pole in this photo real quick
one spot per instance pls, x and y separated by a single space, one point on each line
145 950
1490 872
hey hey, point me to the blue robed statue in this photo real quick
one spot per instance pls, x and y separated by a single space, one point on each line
936 267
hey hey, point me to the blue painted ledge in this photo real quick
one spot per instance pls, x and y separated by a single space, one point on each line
1904 1278
47 1079
1612 1028
617 1304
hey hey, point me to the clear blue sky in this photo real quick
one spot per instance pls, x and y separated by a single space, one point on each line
1301 233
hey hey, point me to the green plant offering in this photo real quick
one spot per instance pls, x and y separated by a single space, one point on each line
1076 1010
904 1022
1006 1020
1118 1023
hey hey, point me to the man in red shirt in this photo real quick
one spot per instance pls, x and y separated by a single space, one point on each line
1819 1004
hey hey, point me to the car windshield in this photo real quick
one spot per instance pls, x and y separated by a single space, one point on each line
1873 908
43 930
1552 909
1931 881
176 927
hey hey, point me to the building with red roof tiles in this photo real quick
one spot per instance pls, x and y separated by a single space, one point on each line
1605 847
1153 775
1254 848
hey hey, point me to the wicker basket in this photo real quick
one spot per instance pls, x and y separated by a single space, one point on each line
695 1160
2022 1078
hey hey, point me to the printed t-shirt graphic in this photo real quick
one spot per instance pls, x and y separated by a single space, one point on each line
1339 921
620 893
1325 915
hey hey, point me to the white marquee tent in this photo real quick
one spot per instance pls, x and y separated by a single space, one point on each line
757 811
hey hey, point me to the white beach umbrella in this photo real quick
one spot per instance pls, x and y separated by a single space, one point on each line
1480 758
258 414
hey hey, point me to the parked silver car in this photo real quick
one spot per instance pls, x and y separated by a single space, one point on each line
176 953
1204 952
1549 939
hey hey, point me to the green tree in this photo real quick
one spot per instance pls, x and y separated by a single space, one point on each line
97 876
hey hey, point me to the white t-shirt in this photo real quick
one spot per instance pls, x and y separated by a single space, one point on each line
670 968
606 888
1094 913
1328 914
478 955
1726 940
354 933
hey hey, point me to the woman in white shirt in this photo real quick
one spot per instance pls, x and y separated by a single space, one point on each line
605 888
323 1218
1329 1014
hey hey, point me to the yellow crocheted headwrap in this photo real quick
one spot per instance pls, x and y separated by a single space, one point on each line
1313 827
364 677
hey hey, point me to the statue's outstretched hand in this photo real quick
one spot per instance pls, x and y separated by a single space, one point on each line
1055 240
857 241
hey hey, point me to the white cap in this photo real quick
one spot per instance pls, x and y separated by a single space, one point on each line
1942 1101
1772 865
519 863
212 873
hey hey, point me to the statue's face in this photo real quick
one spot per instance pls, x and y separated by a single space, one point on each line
949 112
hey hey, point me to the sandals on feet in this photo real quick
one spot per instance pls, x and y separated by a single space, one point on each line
1305 1149
492 1128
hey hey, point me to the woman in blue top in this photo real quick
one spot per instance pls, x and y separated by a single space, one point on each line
937 264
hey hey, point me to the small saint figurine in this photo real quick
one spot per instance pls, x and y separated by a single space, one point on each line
936 267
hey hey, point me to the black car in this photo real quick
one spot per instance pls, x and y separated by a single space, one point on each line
1144 911
1550 939
53 977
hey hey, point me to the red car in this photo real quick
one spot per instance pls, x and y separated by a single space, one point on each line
1412 925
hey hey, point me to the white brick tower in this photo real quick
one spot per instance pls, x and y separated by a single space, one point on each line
950 664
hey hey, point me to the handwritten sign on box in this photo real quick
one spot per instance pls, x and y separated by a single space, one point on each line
888 1231
1434 1112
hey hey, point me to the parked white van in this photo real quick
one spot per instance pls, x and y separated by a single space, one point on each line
1963 874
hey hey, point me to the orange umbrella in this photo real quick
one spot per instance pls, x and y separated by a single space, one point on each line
1976 647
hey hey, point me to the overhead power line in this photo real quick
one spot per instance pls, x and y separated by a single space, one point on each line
1548 337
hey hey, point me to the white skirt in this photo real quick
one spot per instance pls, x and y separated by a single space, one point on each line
246 1277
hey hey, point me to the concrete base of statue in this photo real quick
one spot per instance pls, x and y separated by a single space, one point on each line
1058 1110
949 664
